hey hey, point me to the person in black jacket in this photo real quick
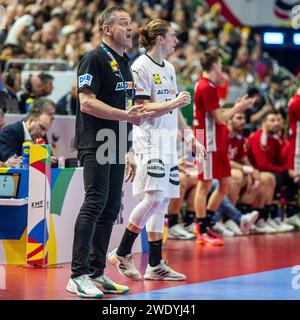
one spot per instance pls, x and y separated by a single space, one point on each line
105 103
34 126
67 104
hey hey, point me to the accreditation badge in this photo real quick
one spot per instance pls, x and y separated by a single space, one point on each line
129 103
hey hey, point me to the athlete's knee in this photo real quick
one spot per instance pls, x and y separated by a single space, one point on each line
204 187
154 199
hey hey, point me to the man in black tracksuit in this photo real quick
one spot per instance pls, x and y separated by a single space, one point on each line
104 109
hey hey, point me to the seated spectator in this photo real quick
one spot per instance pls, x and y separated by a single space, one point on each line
2 122
266 155
13 161
12 85
47 81
67 104
25 25
34 126
235 222
34 88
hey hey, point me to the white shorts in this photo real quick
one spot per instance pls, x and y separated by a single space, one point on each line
156 173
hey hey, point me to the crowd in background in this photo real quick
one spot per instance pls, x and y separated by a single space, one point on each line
66 30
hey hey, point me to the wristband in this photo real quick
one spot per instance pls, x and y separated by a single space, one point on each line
248 169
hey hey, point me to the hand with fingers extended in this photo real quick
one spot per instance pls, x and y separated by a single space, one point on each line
137 115
244 103
14 161
130 168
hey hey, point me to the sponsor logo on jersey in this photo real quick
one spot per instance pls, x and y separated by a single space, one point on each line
114 65
174 176
156 168
85 79
166 91
124 85
157 79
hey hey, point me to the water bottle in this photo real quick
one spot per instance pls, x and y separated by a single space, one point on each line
28 104
61 162
25 154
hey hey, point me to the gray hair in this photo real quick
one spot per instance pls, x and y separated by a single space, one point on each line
39 106
108 16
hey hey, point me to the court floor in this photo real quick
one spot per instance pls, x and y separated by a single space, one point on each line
257 267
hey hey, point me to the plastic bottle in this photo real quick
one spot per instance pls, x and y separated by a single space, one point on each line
61 162
25 154
28 104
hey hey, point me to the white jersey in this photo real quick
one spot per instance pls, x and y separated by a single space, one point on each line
156 83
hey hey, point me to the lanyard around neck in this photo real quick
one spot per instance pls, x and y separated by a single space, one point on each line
129 97
107 51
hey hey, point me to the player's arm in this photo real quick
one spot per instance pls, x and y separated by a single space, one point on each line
222 115
21 33
159 109
91 105
260 114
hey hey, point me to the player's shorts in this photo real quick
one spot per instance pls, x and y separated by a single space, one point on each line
217 166
156 173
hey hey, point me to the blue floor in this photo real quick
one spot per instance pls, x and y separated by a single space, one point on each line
270 285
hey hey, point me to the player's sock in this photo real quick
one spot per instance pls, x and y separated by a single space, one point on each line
202 223
273 210
126 243
244 208
263 214
209 215
189 217
291 209
155 252
172 219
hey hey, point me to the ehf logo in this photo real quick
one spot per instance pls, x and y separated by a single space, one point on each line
85 79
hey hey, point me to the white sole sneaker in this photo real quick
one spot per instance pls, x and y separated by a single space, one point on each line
75 288
124 265
163 272
177 232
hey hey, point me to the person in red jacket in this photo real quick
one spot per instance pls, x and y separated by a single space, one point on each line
255 188
264 151
294 135
210 119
